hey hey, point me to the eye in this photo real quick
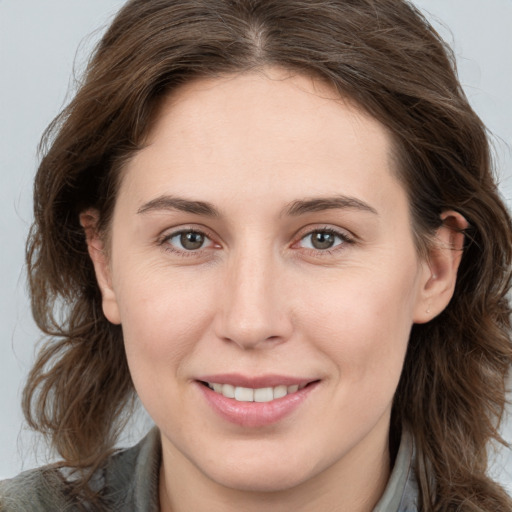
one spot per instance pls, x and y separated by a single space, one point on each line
323 240
188 240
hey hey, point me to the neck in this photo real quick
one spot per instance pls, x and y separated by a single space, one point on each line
354 483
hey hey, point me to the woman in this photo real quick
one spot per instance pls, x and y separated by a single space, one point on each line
275 223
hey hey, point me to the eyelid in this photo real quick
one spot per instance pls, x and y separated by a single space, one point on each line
168 234
346 237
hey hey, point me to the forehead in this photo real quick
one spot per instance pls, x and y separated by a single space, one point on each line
260 132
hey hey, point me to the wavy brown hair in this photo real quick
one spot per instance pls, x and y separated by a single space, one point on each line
386 57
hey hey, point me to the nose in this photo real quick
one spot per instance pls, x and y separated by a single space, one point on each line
253 310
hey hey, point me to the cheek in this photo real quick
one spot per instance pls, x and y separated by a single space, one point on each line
162 318
162 324
362 322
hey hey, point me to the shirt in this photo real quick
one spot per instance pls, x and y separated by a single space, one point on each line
129 483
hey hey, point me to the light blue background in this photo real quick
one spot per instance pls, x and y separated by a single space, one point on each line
38 47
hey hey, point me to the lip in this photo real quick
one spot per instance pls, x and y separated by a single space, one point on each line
255 414
262 381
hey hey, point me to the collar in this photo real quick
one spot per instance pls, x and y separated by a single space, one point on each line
133 477
401 494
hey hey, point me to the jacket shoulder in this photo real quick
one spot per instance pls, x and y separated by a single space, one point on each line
128 481
37 490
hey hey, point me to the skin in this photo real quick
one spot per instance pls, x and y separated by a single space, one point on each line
258 297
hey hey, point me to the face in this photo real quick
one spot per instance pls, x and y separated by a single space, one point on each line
262 246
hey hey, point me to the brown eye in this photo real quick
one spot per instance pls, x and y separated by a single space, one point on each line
183 241
323 239
192 240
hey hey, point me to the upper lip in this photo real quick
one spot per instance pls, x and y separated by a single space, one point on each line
255 382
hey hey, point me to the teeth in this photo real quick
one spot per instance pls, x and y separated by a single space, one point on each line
242 394
263 395
228 391
280 391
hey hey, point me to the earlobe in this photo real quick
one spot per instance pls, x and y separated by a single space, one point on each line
96 247
441 266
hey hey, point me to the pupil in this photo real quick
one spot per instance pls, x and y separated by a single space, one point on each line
322 240
191 240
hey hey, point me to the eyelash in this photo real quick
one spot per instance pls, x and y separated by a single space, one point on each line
343 237
164 242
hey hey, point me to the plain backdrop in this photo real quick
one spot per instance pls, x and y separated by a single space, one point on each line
43 43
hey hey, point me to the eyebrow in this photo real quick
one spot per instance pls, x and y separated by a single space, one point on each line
301 207
179 204
294 209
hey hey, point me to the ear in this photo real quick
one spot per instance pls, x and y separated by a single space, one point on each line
440 267
89 220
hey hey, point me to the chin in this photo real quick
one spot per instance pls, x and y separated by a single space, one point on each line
260 478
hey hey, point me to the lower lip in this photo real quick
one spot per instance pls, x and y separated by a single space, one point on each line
255 414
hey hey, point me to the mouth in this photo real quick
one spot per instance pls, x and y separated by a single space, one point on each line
263 394
255 402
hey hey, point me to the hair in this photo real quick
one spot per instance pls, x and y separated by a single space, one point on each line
384 56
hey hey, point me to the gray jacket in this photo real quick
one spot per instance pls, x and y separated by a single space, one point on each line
129 483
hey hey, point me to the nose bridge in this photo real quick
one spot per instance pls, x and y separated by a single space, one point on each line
252 310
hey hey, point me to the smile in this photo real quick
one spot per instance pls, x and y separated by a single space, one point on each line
243 394
255 402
